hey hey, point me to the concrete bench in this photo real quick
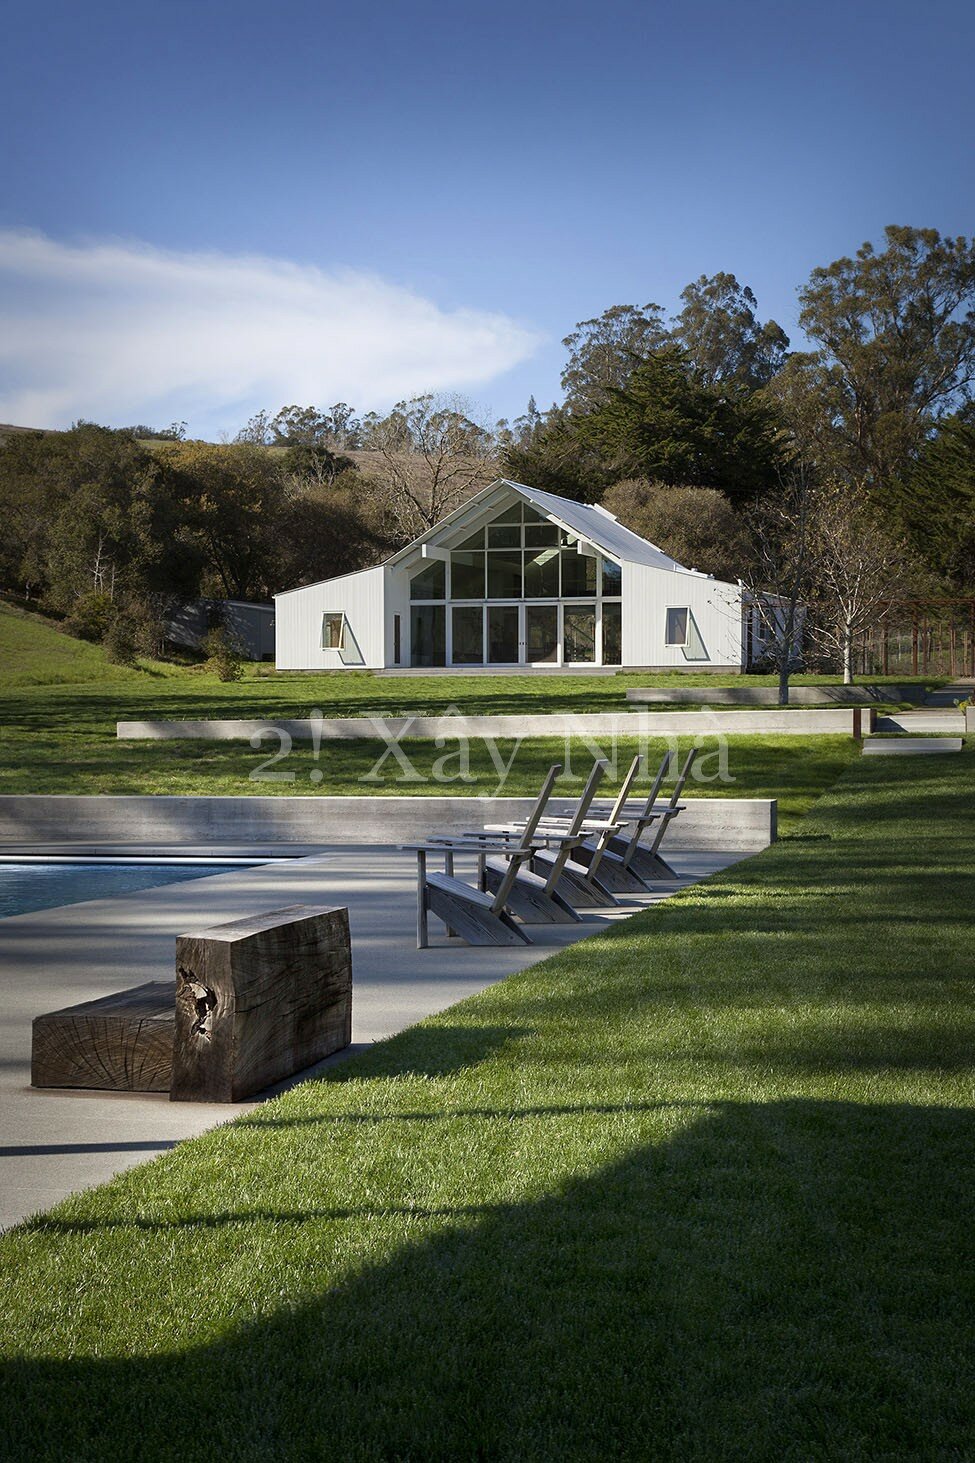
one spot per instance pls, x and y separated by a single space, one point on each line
254 1001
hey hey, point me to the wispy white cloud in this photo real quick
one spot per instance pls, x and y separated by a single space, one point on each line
121 332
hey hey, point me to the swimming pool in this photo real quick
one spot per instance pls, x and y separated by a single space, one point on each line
28 887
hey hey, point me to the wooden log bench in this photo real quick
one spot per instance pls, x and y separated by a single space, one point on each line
254 1001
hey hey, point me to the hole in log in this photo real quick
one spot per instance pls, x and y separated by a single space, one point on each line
199 997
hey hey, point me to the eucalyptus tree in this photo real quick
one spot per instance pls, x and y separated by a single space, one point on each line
725 342
895 331
604 351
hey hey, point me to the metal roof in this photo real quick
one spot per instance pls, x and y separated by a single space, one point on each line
597 525
590 522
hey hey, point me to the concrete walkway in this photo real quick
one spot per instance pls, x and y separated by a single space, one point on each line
939 714
55 1142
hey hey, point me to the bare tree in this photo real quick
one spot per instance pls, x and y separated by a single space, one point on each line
858 568
431 456
780 570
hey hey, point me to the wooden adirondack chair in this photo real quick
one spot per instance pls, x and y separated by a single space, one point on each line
604 867
561 878
645 860
613 872
480 916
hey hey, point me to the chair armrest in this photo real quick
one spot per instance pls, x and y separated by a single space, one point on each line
461 847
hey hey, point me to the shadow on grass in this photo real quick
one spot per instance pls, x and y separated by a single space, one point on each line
779 1280
434 1049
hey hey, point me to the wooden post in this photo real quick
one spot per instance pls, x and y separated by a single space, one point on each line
258 1000
422 906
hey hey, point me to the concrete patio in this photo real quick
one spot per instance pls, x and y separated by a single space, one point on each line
55 1142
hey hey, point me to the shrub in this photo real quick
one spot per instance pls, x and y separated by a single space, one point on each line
223 655
90 616
120 641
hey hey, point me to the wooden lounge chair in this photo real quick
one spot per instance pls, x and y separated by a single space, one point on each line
561 878
645 860
594 854
479 916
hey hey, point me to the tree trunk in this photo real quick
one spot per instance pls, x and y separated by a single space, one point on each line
847 656
784 682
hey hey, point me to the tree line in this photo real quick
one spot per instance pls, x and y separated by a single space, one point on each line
705 432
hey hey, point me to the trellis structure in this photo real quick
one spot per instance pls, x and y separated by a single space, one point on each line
921 637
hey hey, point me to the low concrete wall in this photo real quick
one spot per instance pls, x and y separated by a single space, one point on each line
910 746
718 823
640 724
862 695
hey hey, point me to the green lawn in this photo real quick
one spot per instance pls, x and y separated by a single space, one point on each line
60 700
34 653
57 735
700 1188
80 758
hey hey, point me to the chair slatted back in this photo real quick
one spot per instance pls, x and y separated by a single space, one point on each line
646 815
578 818
521 850
674 800
603 841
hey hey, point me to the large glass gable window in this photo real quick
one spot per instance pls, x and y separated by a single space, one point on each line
430 582
517 590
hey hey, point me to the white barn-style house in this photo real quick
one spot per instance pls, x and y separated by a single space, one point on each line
519 578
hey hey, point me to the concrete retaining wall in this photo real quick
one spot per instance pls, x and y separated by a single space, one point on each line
769 695
640 724
718 823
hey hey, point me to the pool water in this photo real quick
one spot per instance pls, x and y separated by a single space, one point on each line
25 888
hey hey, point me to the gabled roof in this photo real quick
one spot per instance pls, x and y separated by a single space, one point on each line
595 524
599 526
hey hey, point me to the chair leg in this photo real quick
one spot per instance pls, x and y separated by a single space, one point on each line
474 923
422 924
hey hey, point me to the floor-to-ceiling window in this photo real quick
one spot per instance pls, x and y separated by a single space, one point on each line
517 591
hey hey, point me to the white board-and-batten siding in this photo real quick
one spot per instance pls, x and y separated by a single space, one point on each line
299 620
714 630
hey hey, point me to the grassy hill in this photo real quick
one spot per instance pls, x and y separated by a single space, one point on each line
35 652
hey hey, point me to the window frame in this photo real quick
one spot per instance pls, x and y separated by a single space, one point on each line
670 643
340 641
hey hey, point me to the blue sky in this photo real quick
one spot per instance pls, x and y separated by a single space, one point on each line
211 205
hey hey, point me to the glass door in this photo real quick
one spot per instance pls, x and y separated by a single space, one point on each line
502 634
579 634
541 634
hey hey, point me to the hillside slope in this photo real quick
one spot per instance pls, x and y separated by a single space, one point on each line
34 651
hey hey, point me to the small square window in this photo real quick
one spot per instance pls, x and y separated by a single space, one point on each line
333 630
677 626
